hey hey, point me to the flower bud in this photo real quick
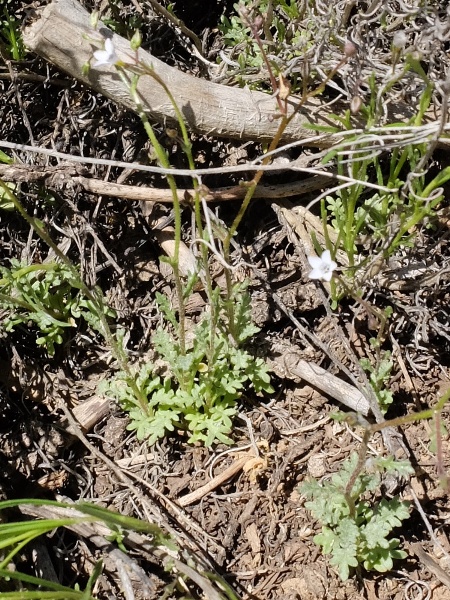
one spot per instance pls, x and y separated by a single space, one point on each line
136 40
258 22
399 40
94 19
350 49
355 104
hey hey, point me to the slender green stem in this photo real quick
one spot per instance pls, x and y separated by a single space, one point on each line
187 148
430 413
164 162
413 417
362 452
285 120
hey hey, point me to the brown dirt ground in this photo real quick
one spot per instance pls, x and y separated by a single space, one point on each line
254 526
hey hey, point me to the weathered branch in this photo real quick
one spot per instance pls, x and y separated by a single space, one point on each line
65 174
327 383
63 35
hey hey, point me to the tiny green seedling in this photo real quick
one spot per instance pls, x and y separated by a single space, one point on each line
10 37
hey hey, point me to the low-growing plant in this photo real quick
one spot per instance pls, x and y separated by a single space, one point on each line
283 32
199 389
355 525
47 295
93 308
355 529
205 377
387 219
379 375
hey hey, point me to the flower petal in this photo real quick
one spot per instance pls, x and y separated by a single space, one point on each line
315 262
107 56
316 273
109 46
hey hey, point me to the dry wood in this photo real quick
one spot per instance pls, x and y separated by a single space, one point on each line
129 192
431 564
327 383
63 35
135 461
90 412
55 177
38 386
216 481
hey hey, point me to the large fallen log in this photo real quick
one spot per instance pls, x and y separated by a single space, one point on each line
63 35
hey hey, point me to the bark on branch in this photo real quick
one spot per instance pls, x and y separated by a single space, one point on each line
69 175
63 36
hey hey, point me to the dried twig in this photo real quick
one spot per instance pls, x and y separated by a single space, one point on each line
67 175
217 481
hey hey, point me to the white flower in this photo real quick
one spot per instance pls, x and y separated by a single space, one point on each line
323 267
107 56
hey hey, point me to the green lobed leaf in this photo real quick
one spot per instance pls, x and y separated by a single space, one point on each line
358 534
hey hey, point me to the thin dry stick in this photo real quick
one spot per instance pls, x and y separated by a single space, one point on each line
431 564
216 482
313 339
327 383
66 175
426 522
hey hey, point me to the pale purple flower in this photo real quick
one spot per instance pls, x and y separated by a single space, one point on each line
107 56
323 267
